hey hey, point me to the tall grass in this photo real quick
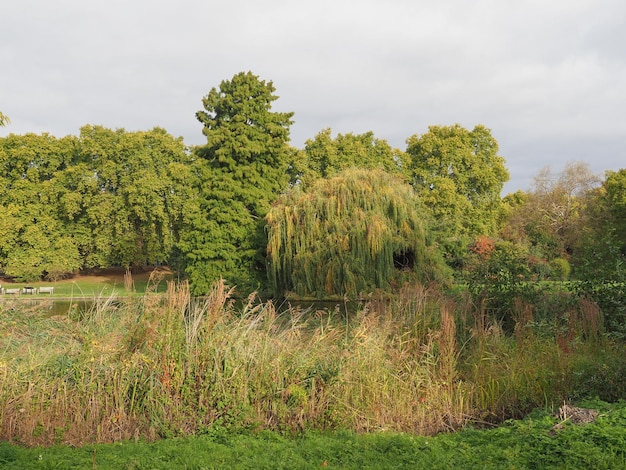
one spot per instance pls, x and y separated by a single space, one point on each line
171 364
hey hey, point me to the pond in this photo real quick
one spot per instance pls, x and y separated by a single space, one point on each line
53 307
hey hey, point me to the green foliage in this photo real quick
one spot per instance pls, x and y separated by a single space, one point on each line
458 174
129 192
601 252
4 120
506 274
349 234
326 156
615 187
242 169
560 268
559 220
33 242
610 296
525 444
499 269
101 199
600 374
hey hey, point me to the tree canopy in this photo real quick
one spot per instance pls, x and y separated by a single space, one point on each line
325 156
601 250
241 170
347 234
355 214
105 198
459 175
554 210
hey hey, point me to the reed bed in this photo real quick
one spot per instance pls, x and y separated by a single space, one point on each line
171 365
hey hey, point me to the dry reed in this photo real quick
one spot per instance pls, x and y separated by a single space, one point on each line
171 364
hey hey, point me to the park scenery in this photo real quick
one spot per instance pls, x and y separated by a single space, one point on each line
247 303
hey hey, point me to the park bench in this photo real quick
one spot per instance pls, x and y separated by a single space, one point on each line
46 290
29 290
12 291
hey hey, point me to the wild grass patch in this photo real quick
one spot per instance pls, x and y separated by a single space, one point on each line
168 365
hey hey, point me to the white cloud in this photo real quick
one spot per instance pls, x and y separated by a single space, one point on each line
546 77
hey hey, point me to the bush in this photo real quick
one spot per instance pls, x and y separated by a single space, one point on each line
600 374
560 269
610 296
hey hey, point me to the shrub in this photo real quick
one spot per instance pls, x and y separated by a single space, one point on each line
560 268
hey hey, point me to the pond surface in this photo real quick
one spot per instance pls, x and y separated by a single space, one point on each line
52 307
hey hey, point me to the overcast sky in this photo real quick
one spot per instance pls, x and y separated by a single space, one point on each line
548 77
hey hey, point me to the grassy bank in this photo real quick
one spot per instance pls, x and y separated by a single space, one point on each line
99 283
170 366
536 442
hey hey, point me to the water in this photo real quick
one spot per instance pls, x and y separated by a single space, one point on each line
53 307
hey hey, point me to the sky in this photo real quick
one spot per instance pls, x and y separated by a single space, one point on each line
547 77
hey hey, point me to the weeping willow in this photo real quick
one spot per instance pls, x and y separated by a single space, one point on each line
358 231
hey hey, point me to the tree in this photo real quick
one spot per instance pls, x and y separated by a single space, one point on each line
459 175
560 201
600 253
554 212
241 170
349 234
325 156
106 198
34 243
615 187
126 191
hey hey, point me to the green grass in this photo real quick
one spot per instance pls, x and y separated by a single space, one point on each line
527 444
102 284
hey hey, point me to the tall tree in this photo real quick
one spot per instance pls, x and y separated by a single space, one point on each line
559 199
241 170
459 175
615 186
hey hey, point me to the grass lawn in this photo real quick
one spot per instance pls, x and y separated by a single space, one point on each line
531 443
99 283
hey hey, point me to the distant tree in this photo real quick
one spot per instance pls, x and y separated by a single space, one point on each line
126 192
106 198
615 186
241 170
553 214
349 234
34 243
40 250
600 254
559 201
459 175
325 156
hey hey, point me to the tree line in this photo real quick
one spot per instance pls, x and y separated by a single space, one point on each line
344 215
